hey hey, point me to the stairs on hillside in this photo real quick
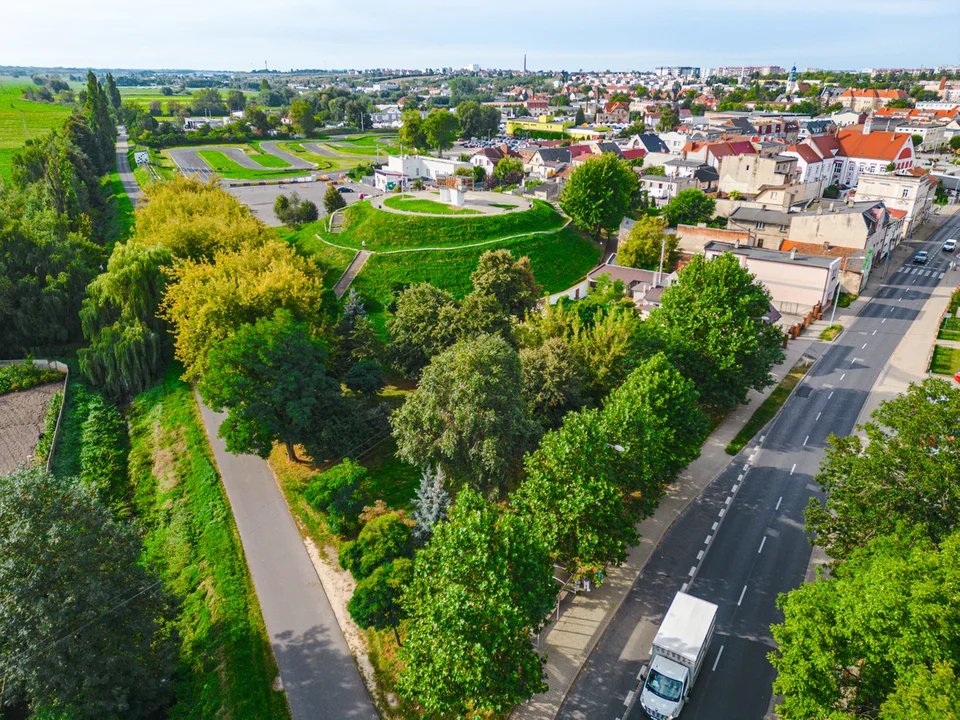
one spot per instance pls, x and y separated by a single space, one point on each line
350 273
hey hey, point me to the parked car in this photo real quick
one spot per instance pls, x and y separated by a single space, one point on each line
950 245
344 189
920 258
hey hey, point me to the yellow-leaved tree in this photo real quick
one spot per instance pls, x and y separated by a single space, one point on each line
206 301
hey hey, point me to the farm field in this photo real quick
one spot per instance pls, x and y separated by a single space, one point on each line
389 231
21 120
226 167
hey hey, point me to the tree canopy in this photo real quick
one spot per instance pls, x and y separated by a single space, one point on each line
599 193
643 246
689 207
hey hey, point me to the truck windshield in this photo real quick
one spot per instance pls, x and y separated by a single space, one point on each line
667 688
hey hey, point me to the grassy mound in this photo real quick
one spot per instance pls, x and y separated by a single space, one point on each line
408 203
388 231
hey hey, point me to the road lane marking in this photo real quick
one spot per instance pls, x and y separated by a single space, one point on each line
707 541
740 477
761 544
683 588
734 488
940 276
805 439
722 511
693 570
742 593
715 526
891 310
830 395
874 332
728 501
717 661
629 698
818 416
700 555
883 321
843 376
864 346
779 500
762 438
793 468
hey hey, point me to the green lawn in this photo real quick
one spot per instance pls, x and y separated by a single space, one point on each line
768 408
120 211
503 206
389 231
226 666
21 120
332 260
408 203
224 166
266 159
558 260
323 162
366 151
946 360
950 330
369 140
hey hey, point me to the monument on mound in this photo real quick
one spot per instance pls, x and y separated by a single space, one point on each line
453 189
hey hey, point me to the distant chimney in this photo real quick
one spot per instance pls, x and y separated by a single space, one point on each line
736 243
793 253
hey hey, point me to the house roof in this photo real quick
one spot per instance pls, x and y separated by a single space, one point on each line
808 249
559 154
614 106
875 145
871 93
633 154
827 146
898 214
628 275
806 153
718 234
767 255
755 215
706 174
652 143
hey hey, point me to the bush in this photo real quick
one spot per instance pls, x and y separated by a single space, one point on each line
49 428
293 211
338 492
365 378
103 458
382 540
25 375
333 200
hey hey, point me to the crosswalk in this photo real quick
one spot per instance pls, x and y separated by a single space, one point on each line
920 272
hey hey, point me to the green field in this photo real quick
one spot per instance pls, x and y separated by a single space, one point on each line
389 231
332 260
408 203
558 260
322 161
21 120
226 167
264 158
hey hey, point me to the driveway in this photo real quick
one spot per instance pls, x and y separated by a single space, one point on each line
319 674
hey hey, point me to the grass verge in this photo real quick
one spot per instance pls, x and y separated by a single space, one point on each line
950 330
408 203
945 361
191 542
769 407
831 332
119 218
846 299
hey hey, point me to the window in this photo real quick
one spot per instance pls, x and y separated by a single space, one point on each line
761 226
906 192
773 196
759 242
783 228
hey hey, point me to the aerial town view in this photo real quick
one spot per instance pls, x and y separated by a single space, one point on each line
480 362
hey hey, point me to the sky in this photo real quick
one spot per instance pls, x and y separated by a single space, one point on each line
557 35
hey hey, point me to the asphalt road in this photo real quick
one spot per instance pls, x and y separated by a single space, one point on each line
190 163
742 542
130 186
319 674
270 146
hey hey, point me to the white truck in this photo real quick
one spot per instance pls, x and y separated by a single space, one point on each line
678 653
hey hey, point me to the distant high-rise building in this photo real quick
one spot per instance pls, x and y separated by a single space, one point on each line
524 62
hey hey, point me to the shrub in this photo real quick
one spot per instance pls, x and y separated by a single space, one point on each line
338 492
365 378
382 540
49 428
25 375
103 459
333 200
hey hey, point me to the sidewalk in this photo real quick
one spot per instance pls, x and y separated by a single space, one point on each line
584 616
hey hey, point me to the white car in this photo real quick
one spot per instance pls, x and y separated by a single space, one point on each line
950 245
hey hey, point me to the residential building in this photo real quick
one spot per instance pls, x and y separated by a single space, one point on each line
694 238
673 140
544 123
662 190
869 100
764 227
614 112
934 135
537 108
401 169
796 282
749 175
648 141
812 169
487 158
912 193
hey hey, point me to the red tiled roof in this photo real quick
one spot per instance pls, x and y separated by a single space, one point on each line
818 249
633 154
876 145
806 153
614 106
899 214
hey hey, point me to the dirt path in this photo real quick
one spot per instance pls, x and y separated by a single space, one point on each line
21 423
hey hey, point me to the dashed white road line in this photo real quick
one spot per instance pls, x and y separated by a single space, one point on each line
805 439
864 346
692 571
629 698
715 526
779 500
762 541
717 661
830 395
793 468
742 593
818 416
843 376
707 541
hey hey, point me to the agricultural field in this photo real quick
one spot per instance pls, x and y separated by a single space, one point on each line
21 120
143 96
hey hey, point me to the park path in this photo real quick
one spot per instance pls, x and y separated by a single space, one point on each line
359 260
318 672
129 182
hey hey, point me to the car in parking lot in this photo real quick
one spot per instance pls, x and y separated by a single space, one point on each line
920 258
950 245
344 189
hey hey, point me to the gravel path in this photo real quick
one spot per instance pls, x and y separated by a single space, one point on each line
21 422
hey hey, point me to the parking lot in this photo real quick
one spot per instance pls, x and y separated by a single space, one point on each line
260 198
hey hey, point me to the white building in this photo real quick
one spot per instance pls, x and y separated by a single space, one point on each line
401 170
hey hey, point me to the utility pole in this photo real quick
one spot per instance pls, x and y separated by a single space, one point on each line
836 296
663 247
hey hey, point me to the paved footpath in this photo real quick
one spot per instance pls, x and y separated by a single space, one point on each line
584 617
319 674
129 182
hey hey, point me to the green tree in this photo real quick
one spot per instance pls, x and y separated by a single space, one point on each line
236 100
441 130
468 115
645 243
293 211
81 618
430 504
599 193
580 118
911 455
553 380
271 378
365 378
479 176
424 324
689 207
831 192
207 101
413 132
890 612
339 493
571 500
668 119
375 602
101 124
333 200
916 139
955 143
480 587
712 318
301 115
113 92
489 120
656 418
510 282
509 170
468 415
382 540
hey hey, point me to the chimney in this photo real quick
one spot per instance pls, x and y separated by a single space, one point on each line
793 253
736 243
832 207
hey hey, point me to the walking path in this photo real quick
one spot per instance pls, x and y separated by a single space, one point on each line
584 616
318 672
129 182
359 260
